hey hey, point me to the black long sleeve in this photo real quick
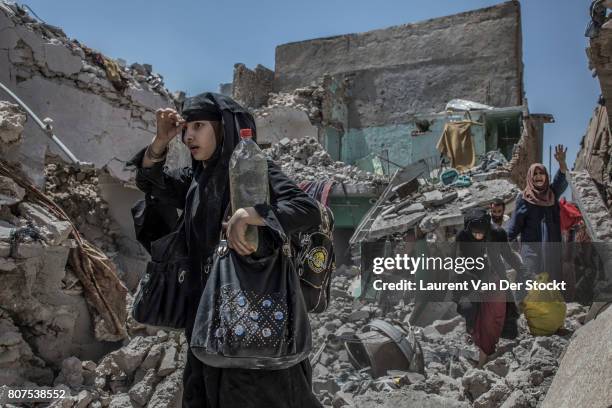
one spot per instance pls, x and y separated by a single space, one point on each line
290 208
169 186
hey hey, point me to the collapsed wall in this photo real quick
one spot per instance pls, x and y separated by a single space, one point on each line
102 109
45 315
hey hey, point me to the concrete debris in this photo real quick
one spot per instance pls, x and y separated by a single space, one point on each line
476 382
67 81
12 121
36 290
526 364
78 191
122 378
148 369
307 160
307 99
592 206
10 192
52 229
435 206
71 373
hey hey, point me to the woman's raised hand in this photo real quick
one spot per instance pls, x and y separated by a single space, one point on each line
560 153
169 124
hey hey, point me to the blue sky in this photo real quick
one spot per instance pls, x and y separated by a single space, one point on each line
194 44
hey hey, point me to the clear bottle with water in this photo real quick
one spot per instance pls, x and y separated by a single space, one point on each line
248 174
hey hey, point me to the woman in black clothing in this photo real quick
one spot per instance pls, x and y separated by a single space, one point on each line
209 125
488 315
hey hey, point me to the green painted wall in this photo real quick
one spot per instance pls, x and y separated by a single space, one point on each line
396 142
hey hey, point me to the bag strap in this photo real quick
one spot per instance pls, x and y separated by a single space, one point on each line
325 222
394 334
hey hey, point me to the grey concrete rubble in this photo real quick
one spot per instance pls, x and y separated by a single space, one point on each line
588 198
131 376
43 311
61 78
48 334
12 121
308 99
83 91
307 160
521 369
434 206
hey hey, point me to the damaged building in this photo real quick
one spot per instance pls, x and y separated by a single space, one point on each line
365 112
381 100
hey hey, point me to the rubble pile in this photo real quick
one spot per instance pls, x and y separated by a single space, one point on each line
82 91
518 374
306 160
145 372
75 189
43 312
96 68
308 99
430 205
12 120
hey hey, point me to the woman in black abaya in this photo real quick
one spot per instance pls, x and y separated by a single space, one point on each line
209 124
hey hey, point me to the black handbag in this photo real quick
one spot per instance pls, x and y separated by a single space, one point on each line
252 313
161 298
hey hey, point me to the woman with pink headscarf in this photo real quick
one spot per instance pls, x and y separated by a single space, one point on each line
537 220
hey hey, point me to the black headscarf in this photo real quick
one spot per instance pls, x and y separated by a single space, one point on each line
477 220
208 196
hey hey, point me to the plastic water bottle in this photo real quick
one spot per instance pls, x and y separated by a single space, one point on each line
248 174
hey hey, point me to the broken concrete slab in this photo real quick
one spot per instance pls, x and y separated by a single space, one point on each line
412 208
406 398
477 382
130 357
584 377
383 227
12 122
54 230
10 192
168 393
61 60
168 362
142 391
595 213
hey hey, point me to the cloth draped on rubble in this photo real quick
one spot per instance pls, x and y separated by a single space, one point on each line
319 190
456 144
103 289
